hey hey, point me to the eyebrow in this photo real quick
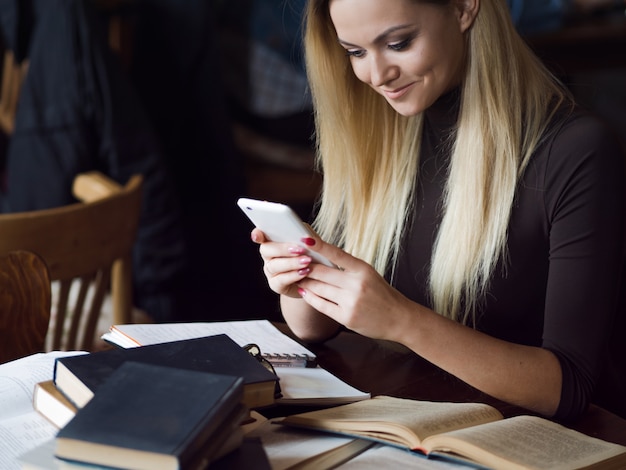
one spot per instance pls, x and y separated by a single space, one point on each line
381 37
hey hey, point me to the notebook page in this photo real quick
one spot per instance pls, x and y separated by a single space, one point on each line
273 343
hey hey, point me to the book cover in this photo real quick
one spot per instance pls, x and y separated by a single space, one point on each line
79 377
148 416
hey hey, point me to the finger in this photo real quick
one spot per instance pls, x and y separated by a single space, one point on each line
334 254
274 266
270 250
286 283
322 303
258 236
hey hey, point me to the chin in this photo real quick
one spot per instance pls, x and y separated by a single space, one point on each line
407 110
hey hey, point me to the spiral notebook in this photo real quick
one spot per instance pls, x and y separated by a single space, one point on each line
276 347
302 382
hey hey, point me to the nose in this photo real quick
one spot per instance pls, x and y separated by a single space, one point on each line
381 71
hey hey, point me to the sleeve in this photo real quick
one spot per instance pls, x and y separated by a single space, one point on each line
585 204
127 144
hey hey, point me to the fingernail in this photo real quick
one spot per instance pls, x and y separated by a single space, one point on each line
301 291
297 250
309 241
254 237
305 260
304 272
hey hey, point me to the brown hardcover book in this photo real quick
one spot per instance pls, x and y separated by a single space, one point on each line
78 377
470 432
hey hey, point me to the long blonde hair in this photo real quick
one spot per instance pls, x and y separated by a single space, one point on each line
369 155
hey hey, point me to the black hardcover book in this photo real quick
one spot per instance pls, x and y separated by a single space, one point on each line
250 454
147 416
78 377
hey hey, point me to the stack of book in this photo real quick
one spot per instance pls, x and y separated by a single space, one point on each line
148 416
79 377
177 404
302 382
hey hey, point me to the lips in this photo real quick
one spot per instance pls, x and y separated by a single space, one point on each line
398 92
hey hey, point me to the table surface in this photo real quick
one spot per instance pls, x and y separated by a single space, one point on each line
384 368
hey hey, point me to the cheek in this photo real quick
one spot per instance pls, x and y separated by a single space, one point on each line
360 70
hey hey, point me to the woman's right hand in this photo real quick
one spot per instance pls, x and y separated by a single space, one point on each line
284 264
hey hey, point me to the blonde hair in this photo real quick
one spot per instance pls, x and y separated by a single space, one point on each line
369 155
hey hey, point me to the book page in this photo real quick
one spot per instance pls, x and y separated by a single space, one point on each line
529 442
382 457
288 448
400 421
21 427
261 332
315 386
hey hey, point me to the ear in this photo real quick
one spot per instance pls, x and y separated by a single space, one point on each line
467 11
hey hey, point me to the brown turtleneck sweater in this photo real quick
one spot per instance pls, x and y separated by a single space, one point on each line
565 247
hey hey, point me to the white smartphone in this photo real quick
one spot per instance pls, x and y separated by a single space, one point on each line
279 223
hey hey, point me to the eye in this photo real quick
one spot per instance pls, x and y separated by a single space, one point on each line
399 46
357 53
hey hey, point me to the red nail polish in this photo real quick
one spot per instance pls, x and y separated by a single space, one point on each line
304 272
301 291
309 241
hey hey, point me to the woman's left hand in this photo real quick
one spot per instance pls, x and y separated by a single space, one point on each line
355 295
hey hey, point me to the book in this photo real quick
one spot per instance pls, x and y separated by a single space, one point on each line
21 426
315 387
79 377
148 416
381 456
276 347
42 458
301 382
301 449
52 404
467 432
249 455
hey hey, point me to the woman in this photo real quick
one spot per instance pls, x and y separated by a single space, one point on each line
477 213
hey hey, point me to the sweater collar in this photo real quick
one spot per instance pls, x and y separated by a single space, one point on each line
443 114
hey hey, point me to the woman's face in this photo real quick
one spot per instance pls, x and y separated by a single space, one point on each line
409 52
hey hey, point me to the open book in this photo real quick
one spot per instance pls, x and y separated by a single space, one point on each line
21 426
470 432
301 382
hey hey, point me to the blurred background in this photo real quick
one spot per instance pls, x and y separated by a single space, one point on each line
208 99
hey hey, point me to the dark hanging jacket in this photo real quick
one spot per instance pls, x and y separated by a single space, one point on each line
78 112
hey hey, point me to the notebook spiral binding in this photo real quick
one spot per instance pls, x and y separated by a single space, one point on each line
291 360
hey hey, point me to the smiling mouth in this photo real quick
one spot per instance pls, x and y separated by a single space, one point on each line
398 92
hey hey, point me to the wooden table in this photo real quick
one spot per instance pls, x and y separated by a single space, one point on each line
384 368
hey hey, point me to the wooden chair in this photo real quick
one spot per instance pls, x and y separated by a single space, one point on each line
86 245
24 304
12 77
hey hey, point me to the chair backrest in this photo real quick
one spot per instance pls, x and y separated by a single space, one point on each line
87 245
24 304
